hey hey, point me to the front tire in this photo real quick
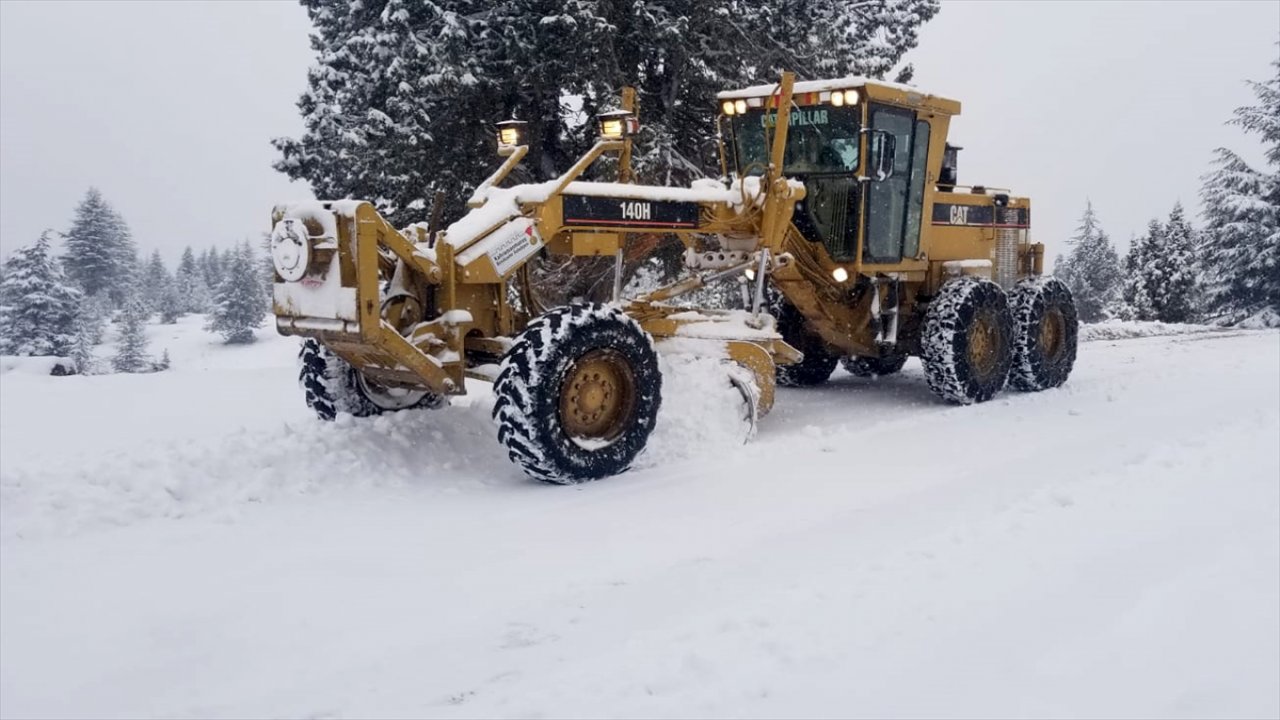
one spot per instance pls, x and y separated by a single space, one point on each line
578 394
968 341
1046 329
331 386
818 363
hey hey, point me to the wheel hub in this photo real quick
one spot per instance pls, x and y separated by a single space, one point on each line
598 395
984 343
1052 332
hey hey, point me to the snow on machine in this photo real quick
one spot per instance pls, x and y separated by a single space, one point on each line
838 202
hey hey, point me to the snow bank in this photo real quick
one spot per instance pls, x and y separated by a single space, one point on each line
130 471
1264 320
449 450
36 365
1124 329
701 412
226 429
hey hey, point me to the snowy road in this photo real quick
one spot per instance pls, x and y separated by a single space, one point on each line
1108 549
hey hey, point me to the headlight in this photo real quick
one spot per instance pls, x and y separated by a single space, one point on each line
511 133
617 124
840 274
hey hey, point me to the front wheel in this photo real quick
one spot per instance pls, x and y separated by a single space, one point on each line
818 362
577 394
968 341
1046 326
331 386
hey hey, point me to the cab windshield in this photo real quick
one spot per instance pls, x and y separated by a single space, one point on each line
820 140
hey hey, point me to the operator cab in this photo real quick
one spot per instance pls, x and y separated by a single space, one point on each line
862 150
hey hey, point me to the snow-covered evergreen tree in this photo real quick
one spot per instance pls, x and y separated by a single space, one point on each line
268 267
190 283
1241 238
38 306
131 350
100 255
404 95
1161 280
82 350
171 304
156 282
130 270
1091 269
228 257
210 265
1136 302
239 304
95 313
1175 266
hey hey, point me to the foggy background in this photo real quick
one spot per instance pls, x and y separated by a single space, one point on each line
169 108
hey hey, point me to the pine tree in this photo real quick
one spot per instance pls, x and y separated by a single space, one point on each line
171 304
228 257
202 264
156 282
213 267
403 98
82 352
1240 246
268 267
1091 269
95 313
239 304
38 306
1136 291
129 269
1174 272
131 351
100 255
190 283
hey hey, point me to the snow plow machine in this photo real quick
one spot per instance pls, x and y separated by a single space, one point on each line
838 213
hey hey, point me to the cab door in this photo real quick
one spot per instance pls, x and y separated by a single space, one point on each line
894 204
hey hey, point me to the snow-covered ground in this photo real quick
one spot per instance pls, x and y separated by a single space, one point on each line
193 543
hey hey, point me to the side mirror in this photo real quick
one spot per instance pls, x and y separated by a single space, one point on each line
884 151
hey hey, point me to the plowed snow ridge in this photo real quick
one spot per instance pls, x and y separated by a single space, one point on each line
444 451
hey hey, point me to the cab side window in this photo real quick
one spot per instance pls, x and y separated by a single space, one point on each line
915 203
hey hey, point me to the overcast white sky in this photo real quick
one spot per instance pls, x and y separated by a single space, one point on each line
168 107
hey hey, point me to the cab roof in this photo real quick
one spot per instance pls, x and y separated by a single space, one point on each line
895 93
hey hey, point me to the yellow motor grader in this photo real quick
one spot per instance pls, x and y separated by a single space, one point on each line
838 212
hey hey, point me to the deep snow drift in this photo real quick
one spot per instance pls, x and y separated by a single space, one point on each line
192 543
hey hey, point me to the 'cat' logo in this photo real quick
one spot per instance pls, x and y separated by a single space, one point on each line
959 214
